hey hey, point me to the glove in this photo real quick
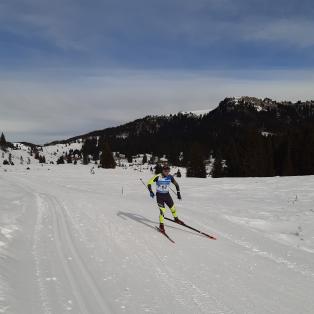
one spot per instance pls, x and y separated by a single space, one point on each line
152 195
179 195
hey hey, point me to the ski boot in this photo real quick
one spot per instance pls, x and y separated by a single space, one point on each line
161 227
178 221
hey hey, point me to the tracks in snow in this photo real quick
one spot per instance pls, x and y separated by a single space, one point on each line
60 257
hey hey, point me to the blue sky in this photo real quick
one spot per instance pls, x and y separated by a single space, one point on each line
70 66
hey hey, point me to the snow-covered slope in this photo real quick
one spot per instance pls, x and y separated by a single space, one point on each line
19 156
72 242
54 151
197 112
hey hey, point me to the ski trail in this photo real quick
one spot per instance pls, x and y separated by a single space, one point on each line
36 245
24 271
75 271
63 279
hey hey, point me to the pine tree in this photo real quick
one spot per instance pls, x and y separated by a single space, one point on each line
3 142
85 154
287 167
196 165
69 159
106 158
42 159
144 159
10 159
60 161
217 171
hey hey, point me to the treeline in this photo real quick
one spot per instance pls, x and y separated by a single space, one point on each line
243 141
248 153
238 152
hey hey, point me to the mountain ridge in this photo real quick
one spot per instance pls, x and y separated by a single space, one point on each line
229 104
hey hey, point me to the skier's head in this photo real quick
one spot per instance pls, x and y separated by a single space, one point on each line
165 170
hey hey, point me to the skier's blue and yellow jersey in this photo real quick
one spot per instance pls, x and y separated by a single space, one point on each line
162 183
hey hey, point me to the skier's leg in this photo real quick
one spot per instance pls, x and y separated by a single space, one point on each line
162 214
162 210
170 204
174 211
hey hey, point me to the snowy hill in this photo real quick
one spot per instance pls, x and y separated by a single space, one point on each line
72 242
20 155
53 152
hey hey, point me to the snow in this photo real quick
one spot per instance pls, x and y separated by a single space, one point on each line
197 112
138 159
237 99
73 242
123 135
53 152
16 154
266 134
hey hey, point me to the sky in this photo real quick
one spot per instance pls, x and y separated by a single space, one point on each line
73 66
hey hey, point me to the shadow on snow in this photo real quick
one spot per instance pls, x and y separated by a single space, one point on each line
147 222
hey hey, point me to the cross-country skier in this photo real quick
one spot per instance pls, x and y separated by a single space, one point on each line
163 181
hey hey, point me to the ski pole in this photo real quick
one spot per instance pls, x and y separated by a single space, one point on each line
173 191
144 184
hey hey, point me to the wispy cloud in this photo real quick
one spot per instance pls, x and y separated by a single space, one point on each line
165 33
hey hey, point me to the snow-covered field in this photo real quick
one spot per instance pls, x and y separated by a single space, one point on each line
72 242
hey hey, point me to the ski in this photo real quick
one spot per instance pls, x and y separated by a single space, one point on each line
165 234
196 230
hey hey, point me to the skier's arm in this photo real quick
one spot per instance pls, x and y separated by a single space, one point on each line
175 184
151 181
177 187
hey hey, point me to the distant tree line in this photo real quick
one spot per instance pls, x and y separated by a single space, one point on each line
243 141
246 137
